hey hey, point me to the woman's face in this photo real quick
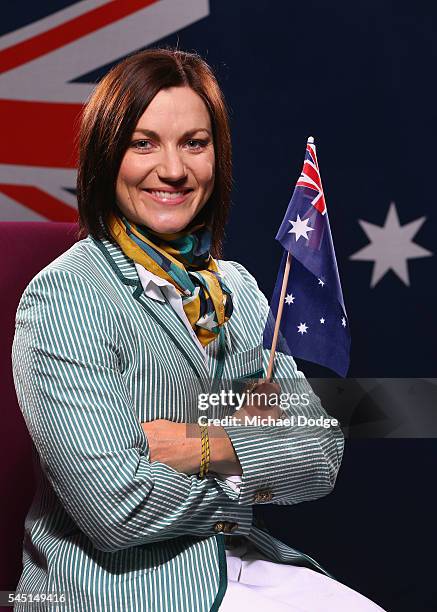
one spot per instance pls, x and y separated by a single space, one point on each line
167 173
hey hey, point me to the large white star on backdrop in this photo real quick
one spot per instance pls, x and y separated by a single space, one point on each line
391 246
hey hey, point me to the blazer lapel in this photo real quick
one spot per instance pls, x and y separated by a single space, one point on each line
161 312
170 322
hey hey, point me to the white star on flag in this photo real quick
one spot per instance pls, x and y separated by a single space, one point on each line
322 283
322 320
343 321
289 299
302 328
300 228
391 246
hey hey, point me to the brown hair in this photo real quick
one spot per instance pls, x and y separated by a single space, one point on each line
110 117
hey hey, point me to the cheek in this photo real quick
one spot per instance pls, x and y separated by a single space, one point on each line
206 173
131 171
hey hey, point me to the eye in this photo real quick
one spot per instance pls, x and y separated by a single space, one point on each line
142 145
196 145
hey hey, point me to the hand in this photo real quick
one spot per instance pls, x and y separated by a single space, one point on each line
175 444
259 403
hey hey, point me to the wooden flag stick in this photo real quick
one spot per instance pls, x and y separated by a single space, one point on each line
278 317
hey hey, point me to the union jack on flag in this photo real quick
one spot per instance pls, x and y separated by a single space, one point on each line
314 324
310 177
48 69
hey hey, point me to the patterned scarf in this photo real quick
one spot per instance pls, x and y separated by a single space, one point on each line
183 259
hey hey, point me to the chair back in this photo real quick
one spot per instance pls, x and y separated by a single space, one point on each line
27 248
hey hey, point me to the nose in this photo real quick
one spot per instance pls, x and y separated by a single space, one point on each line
171 167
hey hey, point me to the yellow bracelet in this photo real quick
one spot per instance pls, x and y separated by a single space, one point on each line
205 454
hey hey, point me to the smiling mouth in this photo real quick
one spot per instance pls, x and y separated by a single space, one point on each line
168 196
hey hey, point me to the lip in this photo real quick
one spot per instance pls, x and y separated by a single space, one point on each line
169 202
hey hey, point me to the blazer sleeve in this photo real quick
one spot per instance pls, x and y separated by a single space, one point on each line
291 463
80 416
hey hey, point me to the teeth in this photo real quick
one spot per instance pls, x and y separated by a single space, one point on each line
167 195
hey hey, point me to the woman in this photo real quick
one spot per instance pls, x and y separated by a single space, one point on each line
116 341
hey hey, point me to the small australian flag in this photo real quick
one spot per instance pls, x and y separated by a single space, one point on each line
314 324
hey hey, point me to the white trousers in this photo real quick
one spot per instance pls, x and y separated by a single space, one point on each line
259 585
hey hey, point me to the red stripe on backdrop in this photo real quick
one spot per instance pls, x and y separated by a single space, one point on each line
39 133
41 202
67 32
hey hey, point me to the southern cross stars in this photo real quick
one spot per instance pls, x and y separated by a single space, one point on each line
300 228
289 299
302 328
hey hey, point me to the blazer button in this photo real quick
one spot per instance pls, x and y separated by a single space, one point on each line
219 527
263 495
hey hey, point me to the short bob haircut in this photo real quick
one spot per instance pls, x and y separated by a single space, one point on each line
110 117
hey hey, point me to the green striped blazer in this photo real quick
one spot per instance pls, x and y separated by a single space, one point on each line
93 357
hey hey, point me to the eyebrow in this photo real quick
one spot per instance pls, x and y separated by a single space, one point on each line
187 134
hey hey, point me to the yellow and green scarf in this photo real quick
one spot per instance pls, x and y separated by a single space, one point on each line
183 259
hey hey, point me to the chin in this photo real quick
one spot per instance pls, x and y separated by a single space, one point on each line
166 228
170 225
170 229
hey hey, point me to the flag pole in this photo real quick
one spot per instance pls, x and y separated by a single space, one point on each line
278 317
281 305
